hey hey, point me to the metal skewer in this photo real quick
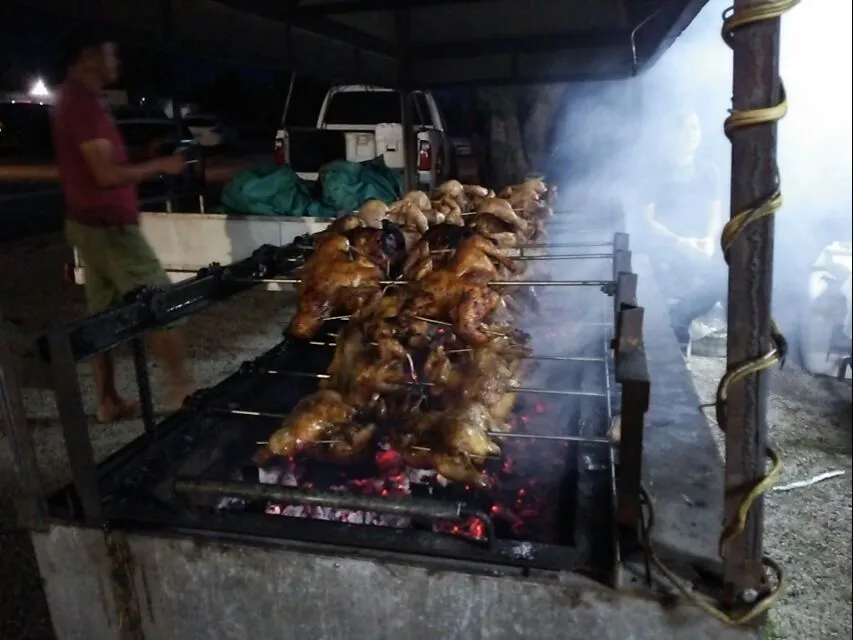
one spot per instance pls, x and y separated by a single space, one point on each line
527 258
491 434
555 438
564 245
492 283
316 343
553 392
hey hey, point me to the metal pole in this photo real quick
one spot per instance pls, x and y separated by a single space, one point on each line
755 85
30 502
402 20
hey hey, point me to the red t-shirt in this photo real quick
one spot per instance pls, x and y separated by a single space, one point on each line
80 116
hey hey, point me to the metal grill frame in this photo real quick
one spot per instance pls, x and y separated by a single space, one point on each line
84 501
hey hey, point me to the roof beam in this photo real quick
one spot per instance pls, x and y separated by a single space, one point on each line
532 44
340 7
315 24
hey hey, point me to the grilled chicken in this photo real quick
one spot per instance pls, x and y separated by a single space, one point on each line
362 372
411 220
472 252
436 244
485 375
455 442
342 276
373 212
321 421
422 202
449 209
464 302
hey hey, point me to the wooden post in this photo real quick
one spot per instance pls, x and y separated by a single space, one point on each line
755 85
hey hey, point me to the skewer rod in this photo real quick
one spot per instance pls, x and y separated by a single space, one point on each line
493 283
553 392
565 256
564 245
550 358
534 436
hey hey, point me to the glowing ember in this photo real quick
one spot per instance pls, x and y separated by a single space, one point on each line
523 503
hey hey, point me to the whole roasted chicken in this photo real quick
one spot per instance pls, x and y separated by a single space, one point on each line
473 253
465 302
342 275
411 220
438 244
321 422
363 372
455 442
486 375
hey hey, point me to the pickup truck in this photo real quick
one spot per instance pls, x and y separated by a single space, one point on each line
358 123
355 122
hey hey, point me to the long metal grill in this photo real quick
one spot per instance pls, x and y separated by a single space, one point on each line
553 489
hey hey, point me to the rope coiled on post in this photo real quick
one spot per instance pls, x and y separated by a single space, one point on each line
734 19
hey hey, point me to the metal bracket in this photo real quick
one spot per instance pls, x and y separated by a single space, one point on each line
633 374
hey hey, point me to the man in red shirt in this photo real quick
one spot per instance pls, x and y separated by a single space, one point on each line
102 211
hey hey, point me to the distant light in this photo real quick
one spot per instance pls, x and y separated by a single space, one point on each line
39 89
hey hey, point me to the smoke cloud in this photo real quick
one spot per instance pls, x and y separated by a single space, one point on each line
614 138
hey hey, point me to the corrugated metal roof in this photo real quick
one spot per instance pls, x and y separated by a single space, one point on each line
416 42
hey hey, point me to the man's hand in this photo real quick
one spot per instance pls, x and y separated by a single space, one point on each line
173 165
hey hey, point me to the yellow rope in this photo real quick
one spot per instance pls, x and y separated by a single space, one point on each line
733 20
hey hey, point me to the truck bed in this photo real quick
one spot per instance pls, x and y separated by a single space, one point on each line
186 242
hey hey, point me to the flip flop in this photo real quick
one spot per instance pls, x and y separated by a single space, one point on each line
128 411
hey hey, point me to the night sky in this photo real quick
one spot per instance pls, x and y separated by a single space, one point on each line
30 49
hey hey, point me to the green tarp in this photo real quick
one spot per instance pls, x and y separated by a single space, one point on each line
277 191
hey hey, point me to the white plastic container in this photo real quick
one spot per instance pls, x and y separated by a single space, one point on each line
389 144
829 311
361 146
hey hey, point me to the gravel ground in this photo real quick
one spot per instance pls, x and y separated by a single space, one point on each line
808 530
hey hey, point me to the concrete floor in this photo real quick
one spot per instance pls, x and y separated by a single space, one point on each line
809 529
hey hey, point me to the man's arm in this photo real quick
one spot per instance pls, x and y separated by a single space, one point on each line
98 153
87 126
658 226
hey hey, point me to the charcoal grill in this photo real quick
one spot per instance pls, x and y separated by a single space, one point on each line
566 503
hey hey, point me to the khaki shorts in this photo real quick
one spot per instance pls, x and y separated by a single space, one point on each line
116 260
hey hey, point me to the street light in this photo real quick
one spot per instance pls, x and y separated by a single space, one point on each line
39 89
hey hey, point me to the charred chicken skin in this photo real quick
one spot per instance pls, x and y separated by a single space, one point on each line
485 375
363 372
473 252
437 243
465 302
342 276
